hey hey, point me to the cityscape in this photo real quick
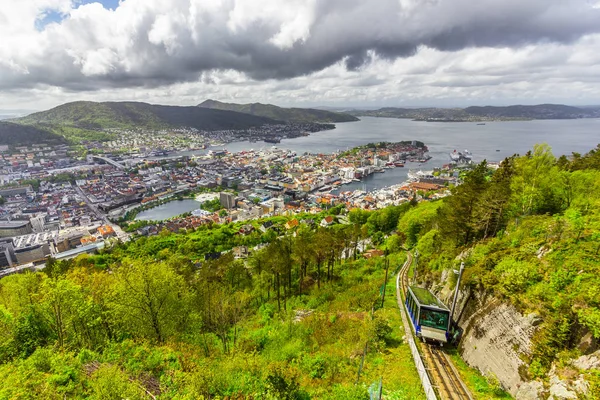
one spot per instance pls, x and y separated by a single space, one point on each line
299 200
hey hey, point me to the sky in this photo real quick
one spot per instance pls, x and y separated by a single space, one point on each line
344 53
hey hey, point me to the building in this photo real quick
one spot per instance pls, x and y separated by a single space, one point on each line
30 254
16 228
7 253
38 222
13 191
327 221
106 231
241 252
227 200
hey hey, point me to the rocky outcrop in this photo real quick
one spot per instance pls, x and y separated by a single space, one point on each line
496 340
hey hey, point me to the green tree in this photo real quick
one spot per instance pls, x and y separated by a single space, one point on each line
149 299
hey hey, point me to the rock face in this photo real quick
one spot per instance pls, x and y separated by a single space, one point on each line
530 391
495 338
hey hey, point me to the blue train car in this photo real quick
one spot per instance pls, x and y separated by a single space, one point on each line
429 316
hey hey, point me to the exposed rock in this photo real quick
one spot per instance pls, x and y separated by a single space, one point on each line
588 344
497 338
559 390
301 314
542 251
591 361
581 386
530 391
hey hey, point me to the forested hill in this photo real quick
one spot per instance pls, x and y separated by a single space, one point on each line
488 113
78 118
296 115
20 135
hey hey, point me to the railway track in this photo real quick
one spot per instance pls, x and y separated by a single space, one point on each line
446 379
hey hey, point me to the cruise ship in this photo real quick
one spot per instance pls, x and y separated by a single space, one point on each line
464 157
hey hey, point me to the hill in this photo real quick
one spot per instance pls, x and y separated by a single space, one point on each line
295 115
542 111
487 113
19 135
87 120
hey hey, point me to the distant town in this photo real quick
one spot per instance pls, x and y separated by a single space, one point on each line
58 203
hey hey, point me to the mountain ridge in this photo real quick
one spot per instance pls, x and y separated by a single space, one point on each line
484 113
83 120
294 114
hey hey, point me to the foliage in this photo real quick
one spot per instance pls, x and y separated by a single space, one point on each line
529 235
153 317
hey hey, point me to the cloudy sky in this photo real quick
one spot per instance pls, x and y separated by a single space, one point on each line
300 52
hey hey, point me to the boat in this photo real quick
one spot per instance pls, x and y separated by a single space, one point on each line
272 140
464 157
481 123
398 164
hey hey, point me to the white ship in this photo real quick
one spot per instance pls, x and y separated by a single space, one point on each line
458 157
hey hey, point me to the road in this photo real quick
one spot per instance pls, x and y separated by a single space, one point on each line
121 234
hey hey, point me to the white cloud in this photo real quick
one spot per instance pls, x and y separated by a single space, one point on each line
299 51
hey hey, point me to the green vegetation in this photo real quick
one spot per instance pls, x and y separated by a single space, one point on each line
212 205
295 115
18 135
152 318
84 120
529 235
488 113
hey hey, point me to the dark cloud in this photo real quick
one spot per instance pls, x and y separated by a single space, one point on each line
156 48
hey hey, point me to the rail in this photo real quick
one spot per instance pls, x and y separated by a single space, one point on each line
423 375
434 365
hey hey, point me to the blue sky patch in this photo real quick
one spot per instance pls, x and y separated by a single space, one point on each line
108 4
55 16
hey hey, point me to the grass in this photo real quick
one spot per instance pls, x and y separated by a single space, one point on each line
395 365
481 387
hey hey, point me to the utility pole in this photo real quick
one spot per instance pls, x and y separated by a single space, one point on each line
415 267
462 267
387 266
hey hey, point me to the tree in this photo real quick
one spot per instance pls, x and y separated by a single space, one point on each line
492 211
149 299
533 185
457 217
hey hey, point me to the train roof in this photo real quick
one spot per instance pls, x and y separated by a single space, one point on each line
426 298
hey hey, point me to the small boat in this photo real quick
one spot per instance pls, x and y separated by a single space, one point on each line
398 164
481 123
497 150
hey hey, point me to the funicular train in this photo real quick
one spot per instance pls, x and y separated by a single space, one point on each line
430 318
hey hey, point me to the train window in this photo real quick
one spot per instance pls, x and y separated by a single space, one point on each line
434 319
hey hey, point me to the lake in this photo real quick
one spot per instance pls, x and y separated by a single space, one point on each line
493 141
168 210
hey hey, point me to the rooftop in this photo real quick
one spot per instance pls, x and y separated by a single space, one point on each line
426 298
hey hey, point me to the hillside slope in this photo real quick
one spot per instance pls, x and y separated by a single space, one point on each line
528 237
19 135
72 120
296 115
487 113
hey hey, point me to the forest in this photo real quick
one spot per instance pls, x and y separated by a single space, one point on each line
309 313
